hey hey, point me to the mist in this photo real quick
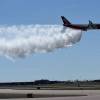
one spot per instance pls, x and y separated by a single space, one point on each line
19 41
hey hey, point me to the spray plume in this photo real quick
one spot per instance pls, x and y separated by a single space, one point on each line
20 41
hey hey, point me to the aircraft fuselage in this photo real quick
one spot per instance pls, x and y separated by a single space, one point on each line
83 27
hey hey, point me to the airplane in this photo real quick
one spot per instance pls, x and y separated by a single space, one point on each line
83 27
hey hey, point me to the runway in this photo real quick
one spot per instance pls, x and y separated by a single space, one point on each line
50 94
62 98
59 92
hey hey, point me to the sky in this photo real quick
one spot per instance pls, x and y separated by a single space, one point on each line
79 62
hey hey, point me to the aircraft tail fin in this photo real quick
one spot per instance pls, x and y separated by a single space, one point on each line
65 21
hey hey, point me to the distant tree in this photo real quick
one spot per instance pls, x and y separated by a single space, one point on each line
96 81
43 81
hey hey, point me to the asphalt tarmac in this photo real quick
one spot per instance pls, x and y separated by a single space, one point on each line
68 94
96 97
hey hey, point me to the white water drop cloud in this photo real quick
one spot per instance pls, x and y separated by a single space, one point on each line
23 40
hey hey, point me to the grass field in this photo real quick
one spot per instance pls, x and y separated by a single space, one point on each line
52 85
